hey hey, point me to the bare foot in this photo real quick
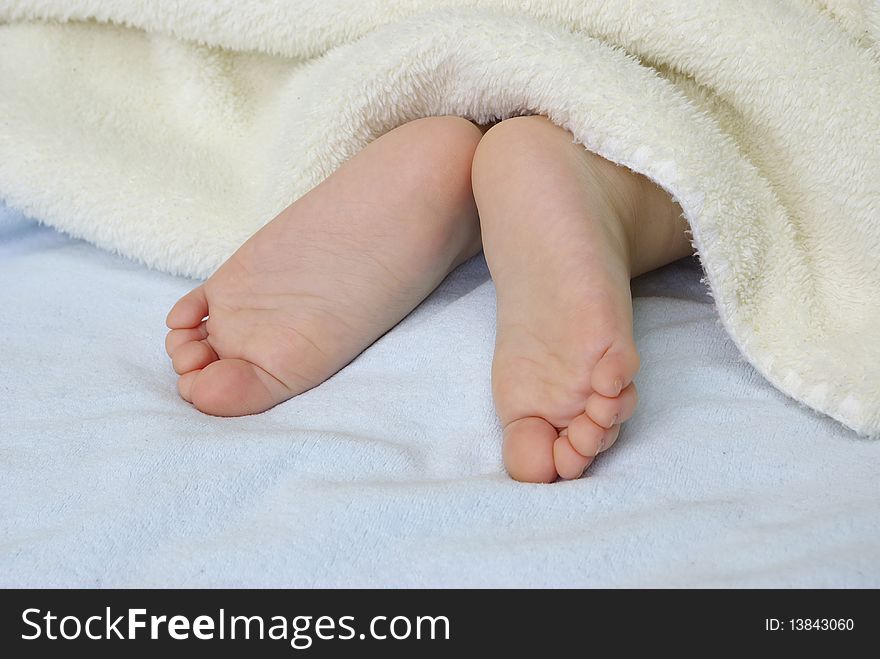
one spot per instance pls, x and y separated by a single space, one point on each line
564 230
332 273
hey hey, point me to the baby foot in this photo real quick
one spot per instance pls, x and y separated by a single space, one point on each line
558 233
333 272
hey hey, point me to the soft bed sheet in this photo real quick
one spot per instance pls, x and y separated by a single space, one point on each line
389 474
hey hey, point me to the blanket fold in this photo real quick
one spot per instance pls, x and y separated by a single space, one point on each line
171 131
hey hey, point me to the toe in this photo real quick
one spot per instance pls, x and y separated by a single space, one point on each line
585 435
177 337
185 383
192 356
189 311
234 387
528 450
615 370
610 437
607 412
569 463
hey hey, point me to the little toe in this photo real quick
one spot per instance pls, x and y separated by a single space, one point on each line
528 450
615 370
188 311
177 337
192 356
569 463
607 412
234 387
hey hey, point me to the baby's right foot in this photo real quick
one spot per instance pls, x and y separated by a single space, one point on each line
559 236
332 273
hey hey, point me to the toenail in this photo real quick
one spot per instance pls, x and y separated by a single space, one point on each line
587 467
618 384
614 419
602 442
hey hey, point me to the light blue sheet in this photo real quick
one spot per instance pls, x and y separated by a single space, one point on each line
389 474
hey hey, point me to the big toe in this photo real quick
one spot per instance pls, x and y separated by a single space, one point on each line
528 450
235 387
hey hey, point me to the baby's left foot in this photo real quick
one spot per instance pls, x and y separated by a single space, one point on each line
559 234
333 272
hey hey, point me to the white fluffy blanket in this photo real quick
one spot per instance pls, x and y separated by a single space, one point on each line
170 131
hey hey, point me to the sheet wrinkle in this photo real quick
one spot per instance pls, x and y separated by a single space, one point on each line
718 481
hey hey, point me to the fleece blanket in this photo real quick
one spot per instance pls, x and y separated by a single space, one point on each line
170 131
108 478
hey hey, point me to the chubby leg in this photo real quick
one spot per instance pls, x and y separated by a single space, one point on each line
332 273
563 231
